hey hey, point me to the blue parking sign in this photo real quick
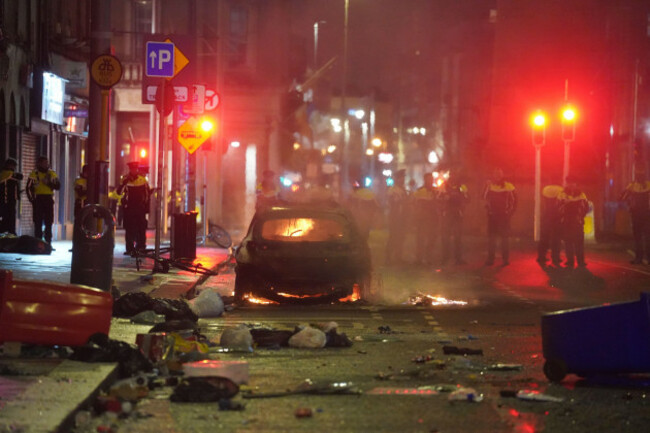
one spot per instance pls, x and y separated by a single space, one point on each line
160 59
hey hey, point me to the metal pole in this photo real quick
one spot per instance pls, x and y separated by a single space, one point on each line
100 15
567 156
159 182
345 171
538 191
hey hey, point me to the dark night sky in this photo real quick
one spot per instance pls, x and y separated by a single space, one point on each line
384 38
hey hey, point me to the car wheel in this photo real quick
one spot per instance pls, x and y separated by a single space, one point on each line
555 369
245 284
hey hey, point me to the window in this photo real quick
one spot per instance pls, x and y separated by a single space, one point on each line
142 24
303 230
238 36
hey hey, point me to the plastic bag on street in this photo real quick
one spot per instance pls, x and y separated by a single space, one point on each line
308 338
237 338
207 304
204 389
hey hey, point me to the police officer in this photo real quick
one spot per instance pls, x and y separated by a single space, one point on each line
573 209
453 199
363 206
135 203
427 219
80 191
501 201
637 196
550 227
397 201
9 195
41 184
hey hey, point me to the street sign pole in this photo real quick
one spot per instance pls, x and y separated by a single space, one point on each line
159 181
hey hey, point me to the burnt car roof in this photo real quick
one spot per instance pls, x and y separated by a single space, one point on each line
302 209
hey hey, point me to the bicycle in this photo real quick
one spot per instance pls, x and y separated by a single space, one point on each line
218 235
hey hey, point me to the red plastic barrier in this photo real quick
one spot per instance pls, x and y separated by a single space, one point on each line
49 313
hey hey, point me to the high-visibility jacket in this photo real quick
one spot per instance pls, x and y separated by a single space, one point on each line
9 187
637 196
500 198
574 206
42 183
81 189
136 191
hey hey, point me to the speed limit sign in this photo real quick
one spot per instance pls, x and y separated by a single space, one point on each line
211 99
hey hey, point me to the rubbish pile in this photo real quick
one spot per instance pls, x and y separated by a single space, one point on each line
175 360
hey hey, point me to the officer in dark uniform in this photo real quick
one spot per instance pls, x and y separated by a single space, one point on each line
501 201
573 209
453 199
9 195
397 200
363 206
550 227
427 221
41 184
637 196
135 203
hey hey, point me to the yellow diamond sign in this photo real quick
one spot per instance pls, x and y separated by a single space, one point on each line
190 135
180 61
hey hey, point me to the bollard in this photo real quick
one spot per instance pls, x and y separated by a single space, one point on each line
92 247
183 236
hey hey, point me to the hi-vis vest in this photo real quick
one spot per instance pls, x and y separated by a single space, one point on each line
637 196
80 188
500 198
36 182
136 193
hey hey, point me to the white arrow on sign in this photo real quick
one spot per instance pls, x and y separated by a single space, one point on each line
164 56
211 99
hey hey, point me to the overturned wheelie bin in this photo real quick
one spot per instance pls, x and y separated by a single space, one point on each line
608 339
48 313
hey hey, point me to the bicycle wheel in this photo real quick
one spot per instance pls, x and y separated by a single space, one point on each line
220 236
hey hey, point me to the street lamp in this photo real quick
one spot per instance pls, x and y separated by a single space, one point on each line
569 115
538 124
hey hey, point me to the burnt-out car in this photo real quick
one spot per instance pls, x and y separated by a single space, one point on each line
302 253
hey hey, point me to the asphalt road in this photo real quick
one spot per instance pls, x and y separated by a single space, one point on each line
501 317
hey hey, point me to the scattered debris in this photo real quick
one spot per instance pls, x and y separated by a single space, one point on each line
308 387
237 371
237 338
308 338
465 394
453 350
148 317
421 299
303 412
130 304
102 349
505 367
204 389
532 395
207 304
271 338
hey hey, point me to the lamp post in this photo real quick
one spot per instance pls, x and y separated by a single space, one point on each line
345 169
568 136
538 123
316 26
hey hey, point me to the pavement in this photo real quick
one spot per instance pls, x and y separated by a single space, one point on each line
31 387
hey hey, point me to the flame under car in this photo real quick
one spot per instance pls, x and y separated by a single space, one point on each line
302 254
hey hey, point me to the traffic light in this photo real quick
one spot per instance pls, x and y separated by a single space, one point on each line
569 115
538 123
207 124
